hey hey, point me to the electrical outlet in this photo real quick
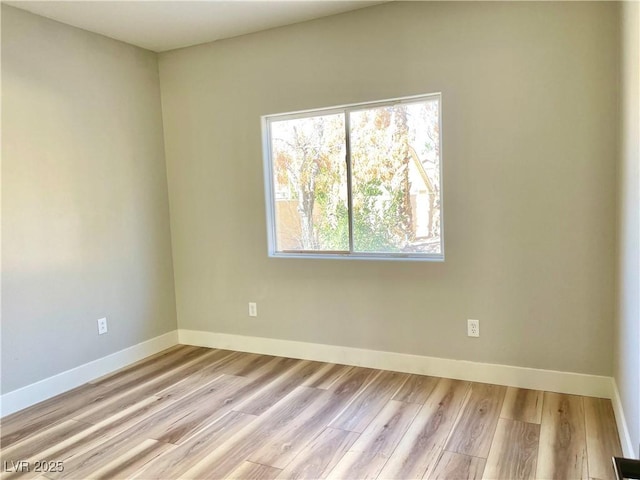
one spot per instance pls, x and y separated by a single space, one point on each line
253 309
473 328
102 326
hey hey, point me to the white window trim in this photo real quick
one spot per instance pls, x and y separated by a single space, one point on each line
351 255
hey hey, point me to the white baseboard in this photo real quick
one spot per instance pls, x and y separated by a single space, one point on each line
49 387
549 380
538 379
621 421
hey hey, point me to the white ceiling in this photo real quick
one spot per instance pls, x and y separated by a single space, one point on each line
165 25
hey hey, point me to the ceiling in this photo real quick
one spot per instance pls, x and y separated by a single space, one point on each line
166 25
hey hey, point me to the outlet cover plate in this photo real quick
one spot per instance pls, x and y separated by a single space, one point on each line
102 326
473 328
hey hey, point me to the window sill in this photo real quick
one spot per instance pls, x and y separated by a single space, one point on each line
398 257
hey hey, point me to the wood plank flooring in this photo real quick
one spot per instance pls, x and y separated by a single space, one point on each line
193 412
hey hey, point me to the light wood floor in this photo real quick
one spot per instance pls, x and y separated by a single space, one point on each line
193 412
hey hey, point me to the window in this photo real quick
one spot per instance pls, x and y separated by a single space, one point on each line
360 181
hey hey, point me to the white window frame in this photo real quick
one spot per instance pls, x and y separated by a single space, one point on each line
351 254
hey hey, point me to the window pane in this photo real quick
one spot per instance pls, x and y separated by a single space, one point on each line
310 183
395 153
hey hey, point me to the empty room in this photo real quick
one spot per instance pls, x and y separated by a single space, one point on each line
320 239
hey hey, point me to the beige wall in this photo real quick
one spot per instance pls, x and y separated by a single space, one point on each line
530 140
85 225
627 340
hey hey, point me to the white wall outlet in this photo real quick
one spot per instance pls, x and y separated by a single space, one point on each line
473 328
253 309
102 326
